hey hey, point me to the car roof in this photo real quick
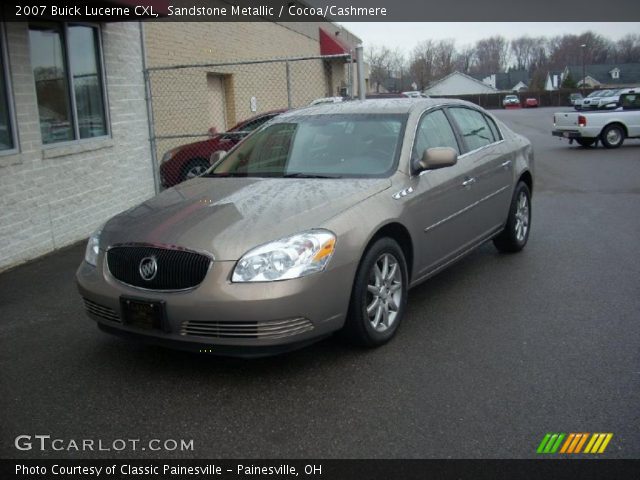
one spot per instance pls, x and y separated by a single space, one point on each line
386 105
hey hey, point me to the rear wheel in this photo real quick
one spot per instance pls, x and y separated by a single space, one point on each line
379 295
612 136
586 142
516 232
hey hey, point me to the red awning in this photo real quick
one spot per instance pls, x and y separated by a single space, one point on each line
331 44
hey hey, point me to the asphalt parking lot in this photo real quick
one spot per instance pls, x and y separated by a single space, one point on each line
493 353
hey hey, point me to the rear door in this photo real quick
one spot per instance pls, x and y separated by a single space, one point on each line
489 167
438 201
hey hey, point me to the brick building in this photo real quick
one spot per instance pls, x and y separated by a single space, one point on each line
74 124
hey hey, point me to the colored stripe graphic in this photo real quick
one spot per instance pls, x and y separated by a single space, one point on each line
551 442
572 443
598 443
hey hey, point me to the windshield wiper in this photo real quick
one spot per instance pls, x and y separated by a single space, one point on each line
308 175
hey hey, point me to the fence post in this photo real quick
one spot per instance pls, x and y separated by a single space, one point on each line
149 99
289 102
360 66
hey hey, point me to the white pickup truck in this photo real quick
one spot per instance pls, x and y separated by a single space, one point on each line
609 127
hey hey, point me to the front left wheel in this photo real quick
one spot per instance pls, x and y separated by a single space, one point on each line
379 295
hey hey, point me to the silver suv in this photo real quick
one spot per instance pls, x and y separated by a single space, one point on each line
321 220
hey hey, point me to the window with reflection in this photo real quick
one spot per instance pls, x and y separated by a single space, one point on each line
7 138
69 81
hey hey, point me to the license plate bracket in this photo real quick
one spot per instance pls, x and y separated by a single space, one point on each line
143 313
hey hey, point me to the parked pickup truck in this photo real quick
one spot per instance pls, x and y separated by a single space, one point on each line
609 127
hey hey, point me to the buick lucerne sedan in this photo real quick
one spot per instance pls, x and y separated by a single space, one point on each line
319 221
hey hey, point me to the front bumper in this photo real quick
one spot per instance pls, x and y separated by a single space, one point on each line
220 317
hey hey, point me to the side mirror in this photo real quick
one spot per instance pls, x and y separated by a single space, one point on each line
216 156
437 157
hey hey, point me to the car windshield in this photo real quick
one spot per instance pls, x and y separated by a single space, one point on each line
318 146
595 94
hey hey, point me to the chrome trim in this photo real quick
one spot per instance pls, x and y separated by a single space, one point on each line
465 209
402 193
476 150
105 266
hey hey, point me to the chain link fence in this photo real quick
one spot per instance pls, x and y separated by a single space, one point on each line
197 110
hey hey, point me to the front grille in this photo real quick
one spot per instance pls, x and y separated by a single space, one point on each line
176 269
270 329
101 311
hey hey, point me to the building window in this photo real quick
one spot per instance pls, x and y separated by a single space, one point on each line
7 131
615 73
67 67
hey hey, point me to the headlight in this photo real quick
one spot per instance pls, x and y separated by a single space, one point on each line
93 248
169 155
289 257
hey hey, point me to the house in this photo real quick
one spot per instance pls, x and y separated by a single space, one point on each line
596 76
510 81
553 81
75 123
605 75
458 83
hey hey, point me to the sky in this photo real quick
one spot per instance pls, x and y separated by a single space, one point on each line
405 35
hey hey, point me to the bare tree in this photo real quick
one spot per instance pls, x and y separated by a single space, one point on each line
492 54
464 59
421 63
443 58
627 49
523 50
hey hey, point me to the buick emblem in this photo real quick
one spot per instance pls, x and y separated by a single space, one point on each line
148 268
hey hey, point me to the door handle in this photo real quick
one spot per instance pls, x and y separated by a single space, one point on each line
468 182
506 164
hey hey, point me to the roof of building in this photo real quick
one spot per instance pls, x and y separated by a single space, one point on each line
629 72
459 74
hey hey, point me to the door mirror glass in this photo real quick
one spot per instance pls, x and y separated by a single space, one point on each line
438 157
216 156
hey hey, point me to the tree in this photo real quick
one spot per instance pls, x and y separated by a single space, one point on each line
492 54
569 82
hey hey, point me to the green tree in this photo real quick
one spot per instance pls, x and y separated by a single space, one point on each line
569 82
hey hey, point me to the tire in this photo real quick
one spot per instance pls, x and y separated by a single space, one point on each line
373 318
516 232
612 136
194 168
586 142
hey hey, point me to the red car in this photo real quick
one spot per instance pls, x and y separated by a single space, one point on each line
531 103
188 161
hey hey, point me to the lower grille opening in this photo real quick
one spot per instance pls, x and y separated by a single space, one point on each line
101 311
268 329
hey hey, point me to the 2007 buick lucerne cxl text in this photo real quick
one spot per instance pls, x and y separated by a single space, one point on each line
319 221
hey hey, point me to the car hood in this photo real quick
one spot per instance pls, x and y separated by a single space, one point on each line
228 216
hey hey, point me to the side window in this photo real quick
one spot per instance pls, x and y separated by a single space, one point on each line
434 130
473 127
258 122
7 131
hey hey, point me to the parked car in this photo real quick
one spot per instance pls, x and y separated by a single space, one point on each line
575 99
592 102
589 98
319 221
609 127
610 100
511 101
191 160
531 102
